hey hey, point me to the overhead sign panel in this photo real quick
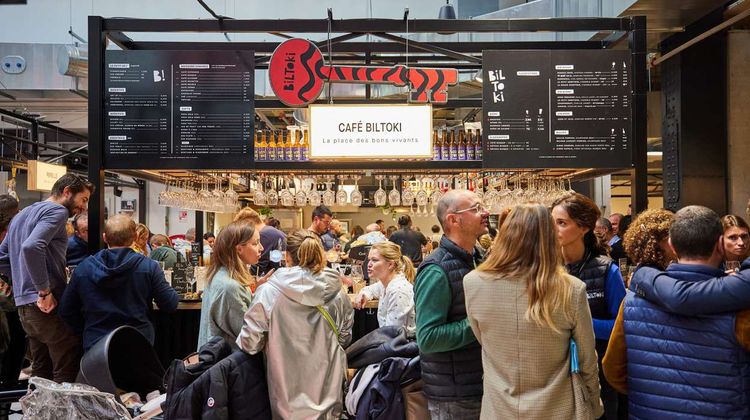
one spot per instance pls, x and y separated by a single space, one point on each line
359 132
557 109
178 109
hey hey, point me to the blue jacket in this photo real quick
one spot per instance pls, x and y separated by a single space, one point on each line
78 250
686 367
721 293
115 287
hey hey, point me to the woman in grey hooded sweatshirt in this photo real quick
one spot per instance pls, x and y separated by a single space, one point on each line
301 319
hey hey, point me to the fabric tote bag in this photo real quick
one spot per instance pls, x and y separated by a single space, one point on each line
581 401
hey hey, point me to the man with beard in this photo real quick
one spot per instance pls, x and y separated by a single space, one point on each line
33 255
451 357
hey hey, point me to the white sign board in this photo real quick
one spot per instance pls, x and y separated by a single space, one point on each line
371 131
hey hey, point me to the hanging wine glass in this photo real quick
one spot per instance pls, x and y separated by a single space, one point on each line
313 196
329 197
341 196
380 194
421 196
286 197
300 197
356 197
272 196
259 196
231 198
407 195
394 197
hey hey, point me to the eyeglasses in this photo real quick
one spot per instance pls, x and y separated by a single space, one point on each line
476 208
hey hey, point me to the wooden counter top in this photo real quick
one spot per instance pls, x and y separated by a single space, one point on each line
193 305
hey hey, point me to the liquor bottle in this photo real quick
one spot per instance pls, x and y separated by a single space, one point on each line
461 146
435 146
256 146
285 151
445 147
470 150
272 156
478 146
295 141
453 145
263 148
305 147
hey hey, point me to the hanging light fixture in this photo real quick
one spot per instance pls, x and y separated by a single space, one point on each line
447 12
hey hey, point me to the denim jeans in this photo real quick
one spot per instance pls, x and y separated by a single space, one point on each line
454 410
55 350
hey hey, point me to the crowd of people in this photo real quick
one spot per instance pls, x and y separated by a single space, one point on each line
531 319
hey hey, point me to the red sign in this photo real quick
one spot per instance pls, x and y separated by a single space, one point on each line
297 75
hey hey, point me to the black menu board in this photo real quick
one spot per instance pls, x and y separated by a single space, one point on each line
178 109
557 109
182 277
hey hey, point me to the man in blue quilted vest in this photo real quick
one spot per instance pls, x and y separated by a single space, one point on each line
695 366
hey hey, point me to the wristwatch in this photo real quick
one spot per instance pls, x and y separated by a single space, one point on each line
43 295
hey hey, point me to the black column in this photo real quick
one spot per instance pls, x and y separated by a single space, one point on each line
96 104
142 201
639 174
694 119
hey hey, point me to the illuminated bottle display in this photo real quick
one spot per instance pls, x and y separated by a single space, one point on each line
256 146
461 145
454 145
445 153
478 146
286 146
296 139
272 156
436 152
263 149
305 148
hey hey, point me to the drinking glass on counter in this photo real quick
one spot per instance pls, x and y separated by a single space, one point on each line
731 267
358 279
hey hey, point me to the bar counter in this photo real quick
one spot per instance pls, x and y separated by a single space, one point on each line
177 333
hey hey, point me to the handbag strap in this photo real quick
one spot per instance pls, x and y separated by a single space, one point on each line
574 368
328 318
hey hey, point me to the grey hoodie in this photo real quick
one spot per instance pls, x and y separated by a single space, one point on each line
305 360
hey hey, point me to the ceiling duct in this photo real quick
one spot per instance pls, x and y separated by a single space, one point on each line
73 60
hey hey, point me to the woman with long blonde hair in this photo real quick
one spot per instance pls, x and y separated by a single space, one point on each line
523 309
227 294
300 319
393 274
140 244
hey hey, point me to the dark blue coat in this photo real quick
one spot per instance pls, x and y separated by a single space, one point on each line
722 293
680 366
115 287
78 250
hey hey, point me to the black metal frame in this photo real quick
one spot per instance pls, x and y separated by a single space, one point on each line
465 55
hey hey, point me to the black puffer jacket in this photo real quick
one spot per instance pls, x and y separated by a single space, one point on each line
222 385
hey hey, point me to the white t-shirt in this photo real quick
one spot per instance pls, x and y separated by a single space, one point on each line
396 303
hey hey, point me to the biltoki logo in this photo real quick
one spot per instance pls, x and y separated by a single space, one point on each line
498 86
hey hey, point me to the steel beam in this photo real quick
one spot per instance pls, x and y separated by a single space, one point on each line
96 131
367 25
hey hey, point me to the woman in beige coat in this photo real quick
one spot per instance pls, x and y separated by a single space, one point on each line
524 309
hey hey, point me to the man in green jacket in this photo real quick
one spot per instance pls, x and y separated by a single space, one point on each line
451 357
163 252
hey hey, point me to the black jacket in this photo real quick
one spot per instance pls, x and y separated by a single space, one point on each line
222 385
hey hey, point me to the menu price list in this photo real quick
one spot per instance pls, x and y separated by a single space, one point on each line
178 109
559 108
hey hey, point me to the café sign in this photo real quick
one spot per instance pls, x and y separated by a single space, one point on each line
42 176
377 132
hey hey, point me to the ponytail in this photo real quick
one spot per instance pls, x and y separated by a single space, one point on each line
408 269
306 250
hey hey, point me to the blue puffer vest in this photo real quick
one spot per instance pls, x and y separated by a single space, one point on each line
453 375
686 367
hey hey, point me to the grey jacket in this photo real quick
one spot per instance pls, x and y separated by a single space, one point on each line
305 360
224 303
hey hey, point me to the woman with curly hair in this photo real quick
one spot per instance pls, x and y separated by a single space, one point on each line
647 244
647 239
